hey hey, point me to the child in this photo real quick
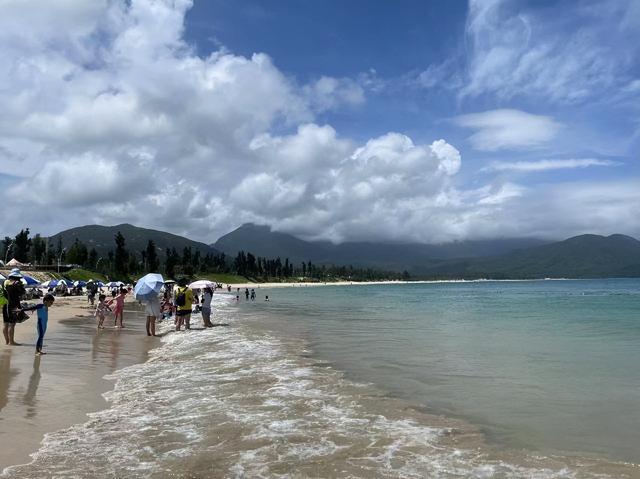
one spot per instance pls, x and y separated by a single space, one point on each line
118 310
166 306
43 319
101 310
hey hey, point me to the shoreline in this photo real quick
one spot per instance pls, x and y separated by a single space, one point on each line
43 394
377 402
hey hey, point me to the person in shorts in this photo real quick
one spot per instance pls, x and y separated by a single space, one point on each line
207 296
14 291
183 301
152 310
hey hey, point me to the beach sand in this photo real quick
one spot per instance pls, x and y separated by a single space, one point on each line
40 394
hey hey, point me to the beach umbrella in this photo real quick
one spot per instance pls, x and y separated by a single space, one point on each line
202 283
29 282
169 281
148 286
46 284
100 284
114 284
81 284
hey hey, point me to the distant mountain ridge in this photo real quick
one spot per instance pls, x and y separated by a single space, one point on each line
262 241
102 239
585 256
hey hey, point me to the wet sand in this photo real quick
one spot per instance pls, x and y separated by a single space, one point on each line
40 394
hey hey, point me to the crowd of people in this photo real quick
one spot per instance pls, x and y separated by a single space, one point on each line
177 302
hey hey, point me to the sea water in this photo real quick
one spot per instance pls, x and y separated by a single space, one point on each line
483 379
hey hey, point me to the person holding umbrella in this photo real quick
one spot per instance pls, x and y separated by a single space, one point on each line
146 290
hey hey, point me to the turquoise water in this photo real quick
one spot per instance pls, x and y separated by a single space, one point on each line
551 366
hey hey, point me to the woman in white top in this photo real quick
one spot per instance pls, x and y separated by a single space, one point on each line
207 296
152 309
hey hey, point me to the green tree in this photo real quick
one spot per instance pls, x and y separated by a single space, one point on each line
21 246
38 249
121 256
77 253
153 263
6 244
92 260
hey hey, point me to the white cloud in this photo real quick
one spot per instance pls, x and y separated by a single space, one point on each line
328 93
508 129
110 116
515 49
546 165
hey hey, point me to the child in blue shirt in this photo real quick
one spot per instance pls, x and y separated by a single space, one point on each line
43 318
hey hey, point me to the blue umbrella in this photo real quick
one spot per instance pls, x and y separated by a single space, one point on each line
29 281
148 286
100 284
82 284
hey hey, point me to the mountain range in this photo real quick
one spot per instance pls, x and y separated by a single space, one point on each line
102 239
584 256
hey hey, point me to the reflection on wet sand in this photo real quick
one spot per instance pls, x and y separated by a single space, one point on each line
30 396
70 376
6 374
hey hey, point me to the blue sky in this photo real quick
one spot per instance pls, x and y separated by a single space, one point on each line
392 120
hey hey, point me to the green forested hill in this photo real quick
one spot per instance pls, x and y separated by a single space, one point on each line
585 256
102 239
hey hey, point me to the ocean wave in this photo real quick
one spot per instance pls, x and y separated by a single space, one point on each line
236 402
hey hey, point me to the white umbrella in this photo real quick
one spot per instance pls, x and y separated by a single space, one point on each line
202 283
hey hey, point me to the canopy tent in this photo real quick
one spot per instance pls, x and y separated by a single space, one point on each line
14 263
55 282
30 282
202 283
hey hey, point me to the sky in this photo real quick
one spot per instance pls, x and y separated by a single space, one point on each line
425 121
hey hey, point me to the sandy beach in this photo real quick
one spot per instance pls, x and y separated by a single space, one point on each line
41 394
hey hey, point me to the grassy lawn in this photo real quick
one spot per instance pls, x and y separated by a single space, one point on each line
224 278
83 275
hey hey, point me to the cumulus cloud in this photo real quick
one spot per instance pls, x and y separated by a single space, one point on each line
109 116
508 129
546 165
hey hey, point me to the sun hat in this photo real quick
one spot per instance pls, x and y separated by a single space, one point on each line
15 273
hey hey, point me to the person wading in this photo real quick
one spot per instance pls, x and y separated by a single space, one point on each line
183 299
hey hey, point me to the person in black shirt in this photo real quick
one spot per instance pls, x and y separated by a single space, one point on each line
14 290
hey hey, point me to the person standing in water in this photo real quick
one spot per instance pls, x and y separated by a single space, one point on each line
118 310
207 296
102 309
246 294
152 310
183 301
43 318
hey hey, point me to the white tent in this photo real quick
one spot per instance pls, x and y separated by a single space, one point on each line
14 263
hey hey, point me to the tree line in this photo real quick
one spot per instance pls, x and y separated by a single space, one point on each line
122 262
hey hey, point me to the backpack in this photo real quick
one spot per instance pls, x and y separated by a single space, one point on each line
181 297
3 295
